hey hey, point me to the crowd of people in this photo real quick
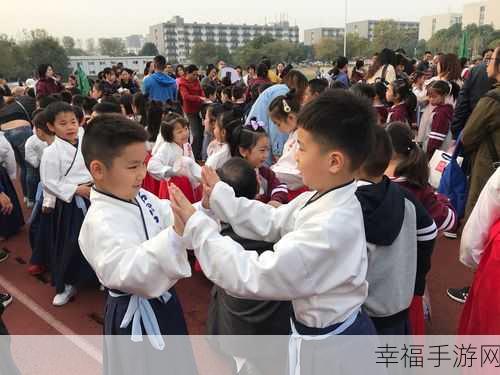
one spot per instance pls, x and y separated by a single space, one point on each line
311 198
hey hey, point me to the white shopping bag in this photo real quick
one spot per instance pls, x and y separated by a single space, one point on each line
440 159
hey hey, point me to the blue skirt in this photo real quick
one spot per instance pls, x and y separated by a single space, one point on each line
68 265
122 356
10 224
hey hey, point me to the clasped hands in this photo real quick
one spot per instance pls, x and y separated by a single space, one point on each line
182 208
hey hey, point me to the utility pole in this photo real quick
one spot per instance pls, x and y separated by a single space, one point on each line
345 30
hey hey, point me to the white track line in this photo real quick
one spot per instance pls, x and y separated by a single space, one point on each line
48 318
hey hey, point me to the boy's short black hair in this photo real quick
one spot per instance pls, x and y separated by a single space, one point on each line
364 89
107 135
191 69
40 122
160 62
338 119
209 90
240 175
57 108
238 92
45 100
88 104
79 113
106 107
378 159
317 85
66 96
78 100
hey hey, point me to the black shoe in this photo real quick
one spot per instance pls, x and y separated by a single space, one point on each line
5 299
458 295
3 255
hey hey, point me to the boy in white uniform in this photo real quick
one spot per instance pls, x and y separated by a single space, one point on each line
127 238
319 260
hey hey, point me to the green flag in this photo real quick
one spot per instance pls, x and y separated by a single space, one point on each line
463 49
82 81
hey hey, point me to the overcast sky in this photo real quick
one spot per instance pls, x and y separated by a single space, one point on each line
101 18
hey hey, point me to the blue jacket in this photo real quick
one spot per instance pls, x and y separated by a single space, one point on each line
160 87
260 110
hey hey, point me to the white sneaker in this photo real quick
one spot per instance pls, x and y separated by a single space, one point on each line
63 298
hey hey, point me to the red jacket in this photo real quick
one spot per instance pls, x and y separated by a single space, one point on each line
48 86
274 190
398 112
438 206
191 93
439 128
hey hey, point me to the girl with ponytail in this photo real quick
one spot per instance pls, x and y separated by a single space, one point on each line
283 112
404 102
251 142
408 167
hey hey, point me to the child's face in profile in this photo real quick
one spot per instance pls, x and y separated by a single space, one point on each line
389 95
308 95
315 164
435 98
47 138
123 178
257 155
218 133
65 126
287 125
181 134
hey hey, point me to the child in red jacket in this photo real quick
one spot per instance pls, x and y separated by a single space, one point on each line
409 168
439 136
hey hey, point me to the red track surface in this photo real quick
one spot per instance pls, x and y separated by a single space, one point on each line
84 313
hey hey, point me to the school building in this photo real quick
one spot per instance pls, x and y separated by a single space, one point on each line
365 29
176 38
482 13
429 25
313 36
92 65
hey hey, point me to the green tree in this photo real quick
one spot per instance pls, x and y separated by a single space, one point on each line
446 40
8 58
421 48
357 46
386 34
69 46
327 49
46 50
204 53
149 49
112 47
494 43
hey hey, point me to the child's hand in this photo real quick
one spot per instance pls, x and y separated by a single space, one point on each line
83 191
209 178
275 204
180 205
178 225
5 204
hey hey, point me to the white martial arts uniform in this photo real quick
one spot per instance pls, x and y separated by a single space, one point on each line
319 260
286 167
34 150
7 157
62 168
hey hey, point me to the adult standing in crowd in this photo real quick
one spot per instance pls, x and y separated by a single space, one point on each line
192 99
292 80
47 82
473 89
382 67
15 122
425 64
211 77
481 135
159 86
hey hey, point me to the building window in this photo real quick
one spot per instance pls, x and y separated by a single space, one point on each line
102 63
91 63
482 12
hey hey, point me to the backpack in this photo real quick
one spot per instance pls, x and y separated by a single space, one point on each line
454 182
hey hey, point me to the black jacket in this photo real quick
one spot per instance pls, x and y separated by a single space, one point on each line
229 315
474 88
